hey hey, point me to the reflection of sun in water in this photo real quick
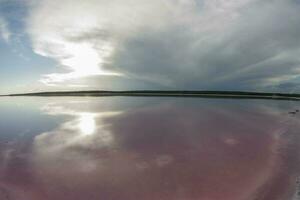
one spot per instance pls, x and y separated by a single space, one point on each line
87 123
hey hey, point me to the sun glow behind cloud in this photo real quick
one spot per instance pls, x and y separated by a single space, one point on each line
64 40
83 60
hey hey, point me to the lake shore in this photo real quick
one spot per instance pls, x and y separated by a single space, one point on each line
169 93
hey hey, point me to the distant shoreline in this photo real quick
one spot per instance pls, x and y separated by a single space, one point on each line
167 93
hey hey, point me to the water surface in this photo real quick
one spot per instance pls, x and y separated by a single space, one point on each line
129 148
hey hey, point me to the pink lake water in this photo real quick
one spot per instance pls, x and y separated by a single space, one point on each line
126 148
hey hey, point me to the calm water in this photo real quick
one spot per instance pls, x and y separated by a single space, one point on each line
148 149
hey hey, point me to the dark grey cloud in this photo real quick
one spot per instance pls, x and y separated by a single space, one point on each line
258 50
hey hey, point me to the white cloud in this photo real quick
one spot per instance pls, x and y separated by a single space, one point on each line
208 44
83 34
4 31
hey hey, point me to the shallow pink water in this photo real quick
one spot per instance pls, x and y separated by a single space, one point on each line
164 150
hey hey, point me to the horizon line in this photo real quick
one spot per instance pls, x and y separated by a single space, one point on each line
167 93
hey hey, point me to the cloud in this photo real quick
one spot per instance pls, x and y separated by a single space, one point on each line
249 45
4 31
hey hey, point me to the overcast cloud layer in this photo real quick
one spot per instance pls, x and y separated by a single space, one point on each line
183 44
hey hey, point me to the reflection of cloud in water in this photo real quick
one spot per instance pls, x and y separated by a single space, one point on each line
165 151
87 123
84 128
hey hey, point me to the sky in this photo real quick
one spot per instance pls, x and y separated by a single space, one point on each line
49 45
